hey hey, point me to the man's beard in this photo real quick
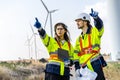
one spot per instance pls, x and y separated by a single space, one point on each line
80 27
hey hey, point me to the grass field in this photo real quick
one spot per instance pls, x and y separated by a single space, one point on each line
22 70
34 70
112 71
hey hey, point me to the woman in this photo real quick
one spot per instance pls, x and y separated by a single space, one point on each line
60 51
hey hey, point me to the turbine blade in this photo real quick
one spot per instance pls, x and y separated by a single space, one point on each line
52 11
32 28
46 20
45 6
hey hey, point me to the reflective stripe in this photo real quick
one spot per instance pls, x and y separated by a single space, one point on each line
56 63
88 52
53 55
61 66
95 58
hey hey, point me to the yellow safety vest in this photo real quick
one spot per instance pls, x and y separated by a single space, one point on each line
87 48
52 46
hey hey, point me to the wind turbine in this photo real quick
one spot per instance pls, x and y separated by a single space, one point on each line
34 35
48 13
28 44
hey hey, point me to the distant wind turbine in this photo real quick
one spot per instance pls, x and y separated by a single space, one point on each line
34 35
48 13
29 44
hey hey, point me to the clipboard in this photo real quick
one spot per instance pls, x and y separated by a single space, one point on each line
63 54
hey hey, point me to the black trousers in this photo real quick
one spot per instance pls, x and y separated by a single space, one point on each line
98 69
50 76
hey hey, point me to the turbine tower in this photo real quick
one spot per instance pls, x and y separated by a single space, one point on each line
49 13
28 44
34 35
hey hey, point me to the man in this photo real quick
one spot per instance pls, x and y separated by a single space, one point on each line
87 48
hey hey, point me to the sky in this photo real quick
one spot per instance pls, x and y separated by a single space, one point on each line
17 17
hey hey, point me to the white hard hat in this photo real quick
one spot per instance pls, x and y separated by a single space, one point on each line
83 16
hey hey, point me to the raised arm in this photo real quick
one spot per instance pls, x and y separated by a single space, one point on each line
97 20
41 31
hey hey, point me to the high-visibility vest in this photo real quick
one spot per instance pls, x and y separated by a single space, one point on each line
54 58
55 55
88 49
85 48
52 46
